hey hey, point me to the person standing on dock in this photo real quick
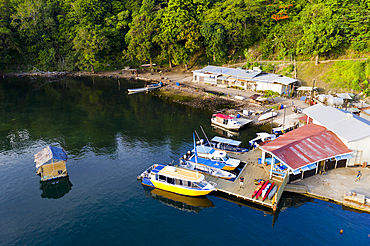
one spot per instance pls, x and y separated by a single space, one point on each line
241 182
358 176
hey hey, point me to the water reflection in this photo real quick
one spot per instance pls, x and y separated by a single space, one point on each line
287 200
224 132
55 189
184 203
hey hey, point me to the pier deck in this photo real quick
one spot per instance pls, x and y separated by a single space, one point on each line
251 171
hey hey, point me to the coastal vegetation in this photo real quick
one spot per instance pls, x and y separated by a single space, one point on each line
66 35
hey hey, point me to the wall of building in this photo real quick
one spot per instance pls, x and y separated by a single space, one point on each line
365 115
362 149
205 78
269 86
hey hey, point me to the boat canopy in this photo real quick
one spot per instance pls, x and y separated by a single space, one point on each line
49 155
226 141
178 173
204 150
223 116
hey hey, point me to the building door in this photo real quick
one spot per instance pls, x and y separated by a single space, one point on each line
357 160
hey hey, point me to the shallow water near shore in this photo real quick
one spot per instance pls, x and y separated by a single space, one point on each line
110 138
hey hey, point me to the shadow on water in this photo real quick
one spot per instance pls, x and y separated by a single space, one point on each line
184 203
224 132
55 189
286 201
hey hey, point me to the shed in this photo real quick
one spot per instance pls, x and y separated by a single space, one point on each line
51 163
305 150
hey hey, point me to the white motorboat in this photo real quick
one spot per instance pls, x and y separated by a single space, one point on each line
262 137
229 122
267 115
146 88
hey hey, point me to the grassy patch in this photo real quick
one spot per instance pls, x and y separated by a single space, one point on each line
177 95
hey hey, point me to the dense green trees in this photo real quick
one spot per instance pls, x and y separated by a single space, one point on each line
96 34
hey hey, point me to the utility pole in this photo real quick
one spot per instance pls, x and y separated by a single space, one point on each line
313 87
284 118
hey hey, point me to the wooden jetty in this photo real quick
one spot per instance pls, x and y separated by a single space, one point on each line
250 172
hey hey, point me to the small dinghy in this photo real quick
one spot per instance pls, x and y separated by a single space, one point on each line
146 88
267 116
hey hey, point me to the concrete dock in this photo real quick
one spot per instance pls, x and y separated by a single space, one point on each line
333 185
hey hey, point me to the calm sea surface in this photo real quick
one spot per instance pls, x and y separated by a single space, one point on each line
111 137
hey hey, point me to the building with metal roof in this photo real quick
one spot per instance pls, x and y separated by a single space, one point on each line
365 113
305 151
255 79
354 131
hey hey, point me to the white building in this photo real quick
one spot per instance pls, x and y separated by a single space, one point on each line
354 131
255 79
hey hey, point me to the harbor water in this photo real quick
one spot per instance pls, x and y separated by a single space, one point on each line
110 137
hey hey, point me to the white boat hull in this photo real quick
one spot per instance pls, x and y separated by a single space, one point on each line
207 170
267 116
144 89
230 127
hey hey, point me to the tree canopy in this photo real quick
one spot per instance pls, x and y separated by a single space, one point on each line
94 34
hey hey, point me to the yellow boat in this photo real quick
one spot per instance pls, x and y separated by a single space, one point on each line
177 180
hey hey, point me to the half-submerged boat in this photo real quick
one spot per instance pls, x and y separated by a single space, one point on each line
51 163
213 171
176 179
228 121
146 88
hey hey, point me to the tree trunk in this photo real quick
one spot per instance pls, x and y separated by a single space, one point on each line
316 60
186 67
92 68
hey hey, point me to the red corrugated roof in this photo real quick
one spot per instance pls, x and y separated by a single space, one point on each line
306 145
304 118
223 116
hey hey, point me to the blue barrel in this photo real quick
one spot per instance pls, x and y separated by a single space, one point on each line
259 160
238 116
177 83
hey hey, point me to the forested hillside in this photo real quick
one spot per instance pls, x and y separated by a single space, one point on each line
67 35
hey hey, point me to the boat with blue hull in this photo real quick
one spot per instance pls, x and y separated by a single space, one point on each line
216 172
177 180
217 156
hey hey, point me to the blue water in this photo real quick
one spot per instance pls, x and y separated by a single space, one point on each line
111 137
